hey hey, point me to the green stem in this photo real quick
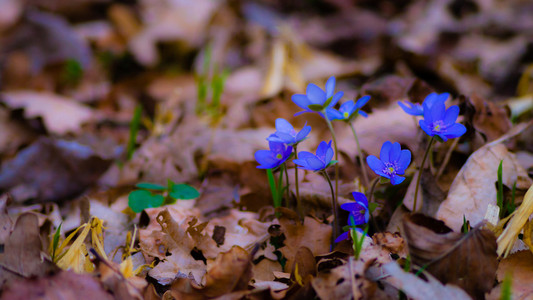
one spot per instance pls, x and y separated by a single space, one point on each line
360 155
369 196
420 171
273 189
287 191
334 207
280 184
298 202
336 155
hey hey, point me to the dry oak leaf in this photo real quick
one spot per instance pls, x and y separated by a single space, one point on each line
487 117
473 188
312 234
22 254
414 286
60 115
519 266
467 260
63 285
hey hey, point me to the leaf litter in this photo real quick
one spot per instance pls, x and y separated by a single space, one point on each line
72 79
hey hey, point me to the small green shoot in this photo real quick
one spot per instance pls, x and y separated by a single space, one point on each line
55 241
134 129
466 225
154 195
210 86
506 292
499 195
72 72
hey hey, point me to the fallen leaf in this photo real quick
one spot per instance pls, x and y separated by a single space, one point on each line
467 260
473 189
519 266
487 117
415 287
5 221
63 285
60 115
22 252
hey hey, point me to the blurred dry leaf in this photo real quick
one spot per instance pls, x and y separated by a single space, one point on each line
417 288
312 234
42 170
22 252
467 260
346 282
487 117
60 115
13 134
473 189
113 280
63 285
519 266
5 221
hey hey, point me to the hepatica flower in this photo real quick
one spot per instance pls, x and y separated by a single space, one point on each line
270 159
359 214
439 121
320 161
317 100
416 109
392 162
285 133
348 110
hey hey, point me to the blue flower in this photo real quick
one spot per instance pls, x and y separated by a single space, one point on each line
440 121
392 162
416 109
359 214
320 161
316 99
348 110
285 133
270 159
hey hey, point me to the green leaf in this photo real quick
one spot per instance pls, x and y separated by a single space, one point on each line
150 186
142 199
499 194
184 192
328 101
372 206
331 163
315 107
55 241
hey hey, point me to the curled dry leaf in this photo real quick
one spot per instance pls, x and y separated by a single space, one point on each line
467 260
346 282
473 189
22 252
60 115
415 287
519 266
487 117
63 285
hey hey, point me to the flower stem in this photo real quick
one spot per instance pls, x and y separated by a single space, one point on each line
421 169
360 155
298 202
336 155
287 191
273 189
334 207
369 197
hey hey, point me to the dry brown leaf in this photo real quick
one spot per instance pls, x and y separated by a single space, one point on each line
312 234
346 282
60 115
113 280
473 189
487 117
13 134
415 287
304 267
519 266
467 260
5 221
22 252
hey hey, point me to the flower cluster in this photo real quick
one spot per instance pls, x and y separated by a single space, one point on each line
320 161
358 214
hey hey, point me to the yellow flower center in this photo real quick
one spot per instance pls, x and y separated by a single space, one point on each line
279 156
346 115
391 170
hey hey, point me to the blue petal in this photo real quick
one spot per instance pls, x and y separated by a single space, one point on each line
394 154
348 106
425 127
359 218
315 94
360 197
351 206
303 133
362 113
330 87
333 114
274 138
266 159
437 111
362 101
456 130
375 164
303 112
404 161
344 236
301 100
427 113
336 99
451 114
284 138
329 154
314 164
283 125
443 97
414 109
384 154
395 179
276 147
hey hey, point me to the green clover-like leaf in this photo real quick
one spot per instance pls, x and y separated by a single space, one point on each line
150 186
142 199
183 191
315 107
